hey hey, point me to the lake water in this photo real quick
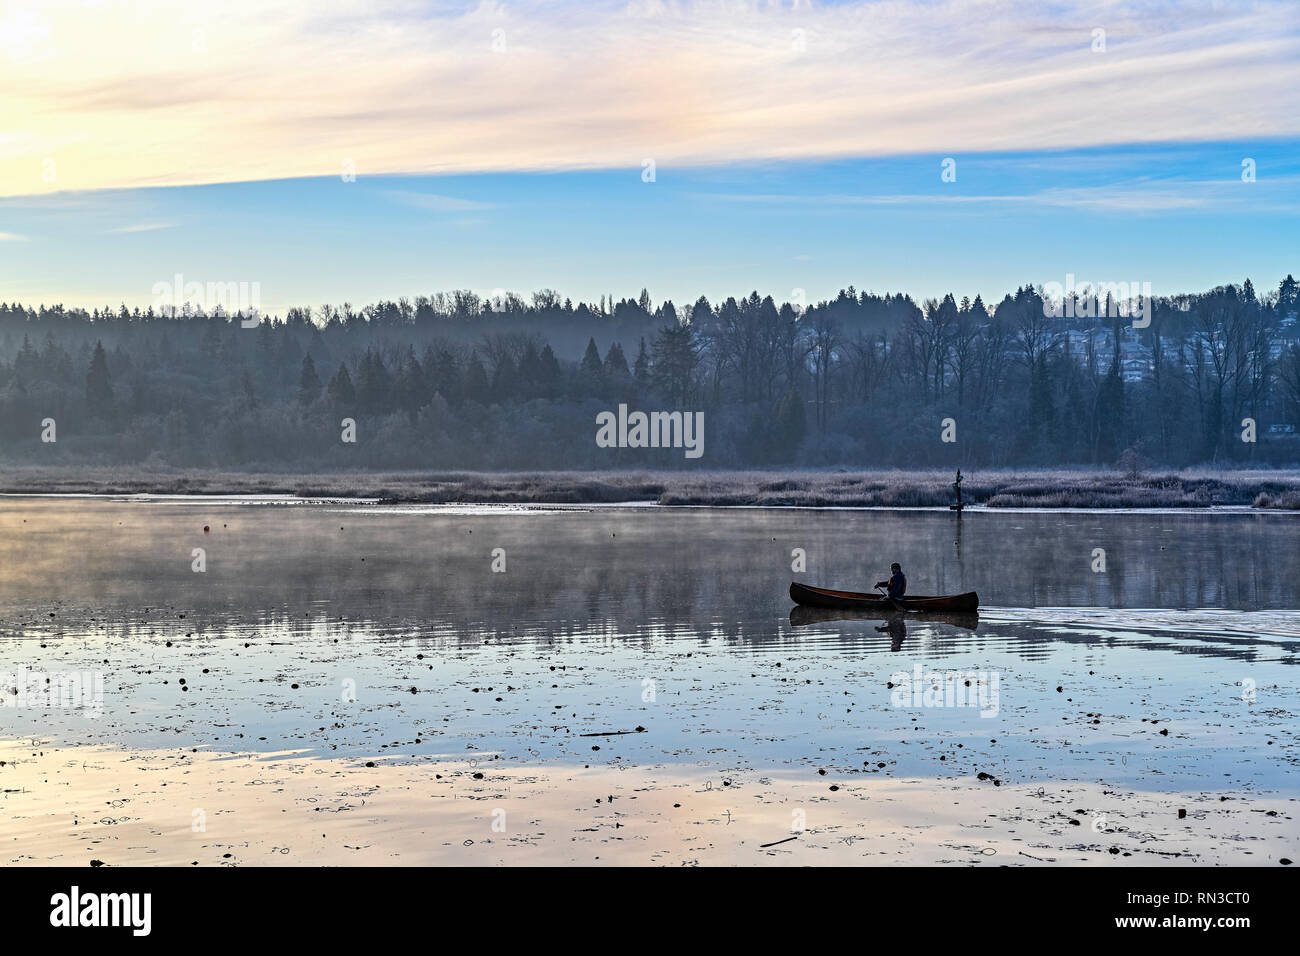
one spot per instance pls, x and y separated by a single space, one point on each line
336 635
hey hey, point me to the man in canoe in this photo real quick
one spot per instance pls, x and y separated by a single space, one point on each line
896 586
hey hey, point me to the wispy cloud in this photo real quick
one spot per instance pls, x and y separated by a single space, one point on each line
434 202
145 227
166 93
12 237
1166 196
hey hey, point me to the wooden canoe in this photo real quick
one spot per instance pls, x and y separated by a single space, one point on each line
824 597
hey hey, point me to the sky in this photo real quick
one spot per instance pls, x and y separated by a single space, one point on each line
329 151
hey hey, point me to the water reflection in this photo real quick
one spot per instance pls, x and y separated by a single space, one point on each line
638 575
594 604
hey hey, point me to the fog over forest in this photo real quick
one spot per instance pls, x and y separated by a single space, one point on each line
862 380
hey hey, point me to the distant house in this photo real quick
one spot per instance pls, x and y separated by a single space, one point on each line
1134 369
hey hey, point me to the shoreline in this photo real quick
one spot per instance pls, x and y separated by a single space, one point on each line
1046 489
477 507
198 807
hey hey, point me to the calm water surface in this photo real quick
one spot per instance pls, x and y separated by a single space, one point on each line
677 621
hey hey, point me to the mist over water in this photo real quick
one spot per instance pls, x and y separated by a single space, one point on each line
593 603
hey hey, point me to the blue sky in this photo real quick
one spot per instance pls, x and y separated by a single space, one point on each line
796 146
1179 217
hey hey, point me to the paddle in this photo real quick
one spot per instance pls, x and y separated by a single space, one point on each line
894 601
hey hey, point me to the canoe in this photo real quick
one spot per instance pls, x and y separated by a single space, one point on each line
802 615
825 597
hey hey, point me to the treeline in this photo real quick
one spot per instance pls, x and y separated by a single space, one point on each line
455 381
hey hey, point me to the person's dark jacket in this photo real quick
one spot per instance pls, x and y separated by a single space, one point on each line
896 585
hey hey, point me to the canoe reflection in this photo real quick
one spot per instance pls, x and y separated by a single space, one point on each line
801 615
895 623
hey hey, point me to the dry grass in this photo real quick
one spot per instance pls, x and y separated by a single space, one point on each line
1286 500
